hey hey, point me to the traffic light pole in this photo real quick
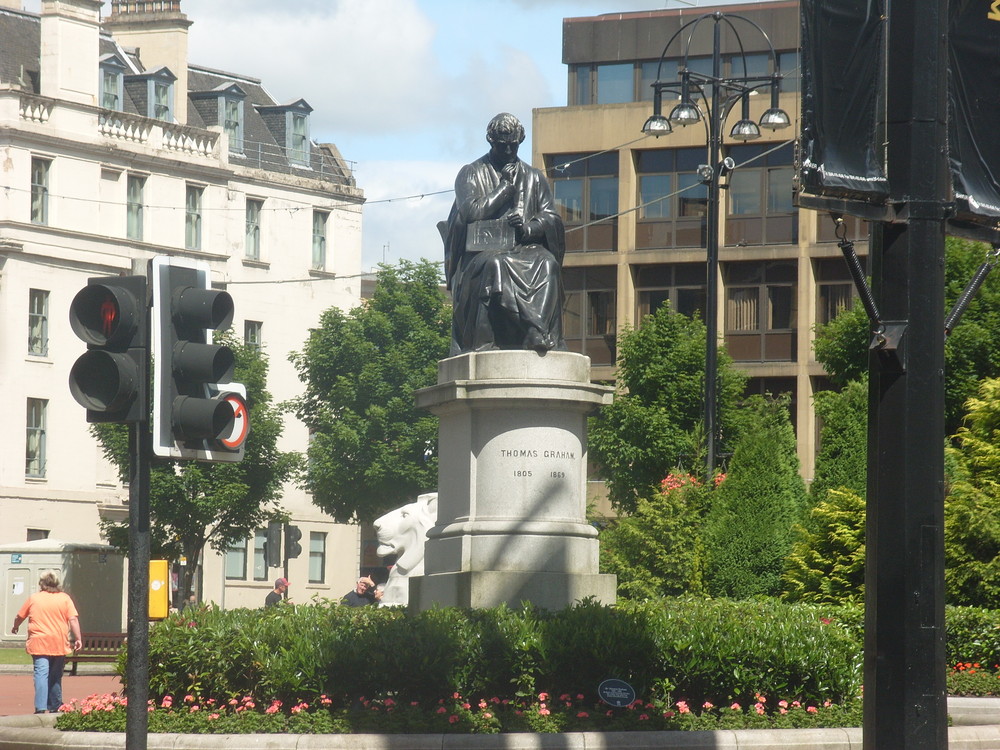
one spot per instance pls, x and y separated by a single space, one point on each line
137 666
904 676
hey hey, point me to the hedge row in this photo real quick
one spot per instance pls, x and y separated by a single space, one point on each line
680 649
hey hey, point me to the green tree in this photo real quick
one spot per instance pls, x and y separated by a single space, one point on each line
653 424
972 351
657 551
827 562
372 448
748 527
191 503
972 507
842 460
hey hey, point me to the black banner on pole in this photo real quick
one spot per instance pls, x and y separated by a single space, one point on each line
842 69
973 114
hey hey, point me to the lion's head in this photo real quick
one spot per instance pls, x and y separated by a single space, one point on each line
403 531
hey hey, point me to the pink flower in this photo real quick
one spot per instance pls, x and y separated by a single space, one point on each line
167 702
643 717
783 704
453 719
483 703
583 715
811 709
708 705
579 696
232 701
759 708
213 716
736 707
456 696
543 712
682 706
543 696
564 697
668 714
389 702
195 708
442 710
189 699
466 706
782 710
272 709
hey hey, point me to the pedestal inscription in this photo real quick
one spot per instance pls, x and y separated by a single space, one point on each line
511 520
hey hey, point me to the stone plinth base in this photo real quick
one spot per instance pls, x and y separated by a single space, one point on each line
511 523
491 588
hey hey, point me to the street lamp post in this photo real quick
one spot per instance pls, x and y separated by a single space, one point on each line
718 96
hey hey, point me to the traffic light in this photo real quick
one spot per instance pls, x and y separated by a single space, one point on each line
272 545
197 412
109 379
292 546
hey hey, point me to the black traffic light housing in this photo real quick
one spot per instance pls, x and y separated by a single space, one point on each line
292 536
197 412
110 379
272 545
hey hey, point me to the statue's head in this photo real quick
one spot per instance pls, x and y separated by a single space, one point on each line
402 532
505 128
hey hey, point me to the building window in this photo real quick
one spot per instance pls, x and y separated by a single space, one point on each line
38 322
259 555
585 188
34 447
253 334
760 311
232 119
298 138
673 200
192 217
33 535
135 188
772 387
760 197
791 76
589 312
835 290
40 190
161 100
236 562
682 286
319 240
254 207
317 557
111 88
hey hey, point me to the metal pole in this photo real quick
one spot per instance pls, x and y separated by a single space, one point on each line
712 264
137 665
905 692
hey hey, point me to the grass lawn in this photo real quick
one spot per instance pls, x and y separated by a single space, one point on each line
14 656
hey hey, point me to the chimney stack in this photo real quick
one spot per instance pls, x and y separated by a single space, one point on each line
70 49
159 31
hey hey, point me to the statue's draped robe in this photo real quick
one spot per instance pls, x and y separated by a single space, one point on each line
506 297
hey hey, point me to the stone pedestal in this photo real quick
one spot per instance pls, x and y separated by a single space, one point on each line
511 523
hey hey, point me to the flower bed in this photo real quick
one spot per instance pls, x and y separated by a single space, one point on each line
543 714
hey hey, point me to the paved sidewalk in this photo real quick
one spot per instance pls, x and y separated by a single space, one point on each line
17 692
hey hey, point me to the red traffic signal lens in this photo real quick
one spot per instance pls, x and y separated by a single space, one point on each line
103 315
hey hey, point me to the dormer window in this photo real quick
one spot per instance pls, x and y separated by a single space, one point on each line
289 124
223 106
298 138
112 82
153 93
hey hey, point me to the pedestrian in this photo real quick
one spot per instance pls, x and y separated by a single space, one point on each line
363 594
50 614
280 587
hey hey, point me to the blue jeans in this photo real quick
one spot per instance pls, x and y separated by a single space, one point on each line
48 682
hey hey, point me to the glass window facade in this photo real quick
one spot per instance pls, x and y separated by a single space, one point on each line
585 189
761 310
319 240
317 557
760 209
236 562
192 217
40 190
673 201
253 213
589 317
135 190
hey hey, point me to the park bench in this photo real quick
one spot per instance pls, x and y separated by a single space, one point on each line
97 648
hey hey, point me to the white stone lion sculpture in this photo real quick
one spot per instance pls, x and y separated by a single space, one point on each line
402 532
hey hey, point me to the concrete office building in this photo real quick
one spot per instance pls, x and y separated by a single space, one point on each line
115 148
635 207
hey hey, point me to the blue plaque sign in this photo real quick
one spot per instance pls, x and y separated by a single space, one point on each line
616 693
15 557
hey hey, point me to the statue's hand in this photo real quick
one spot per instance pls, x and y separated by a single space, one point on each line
509 171
515 219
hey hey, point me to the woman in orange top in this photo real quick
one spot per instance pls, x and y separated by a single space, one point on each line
50 614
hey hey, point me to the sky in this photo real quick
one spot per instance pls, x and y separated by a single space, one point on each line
404 88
